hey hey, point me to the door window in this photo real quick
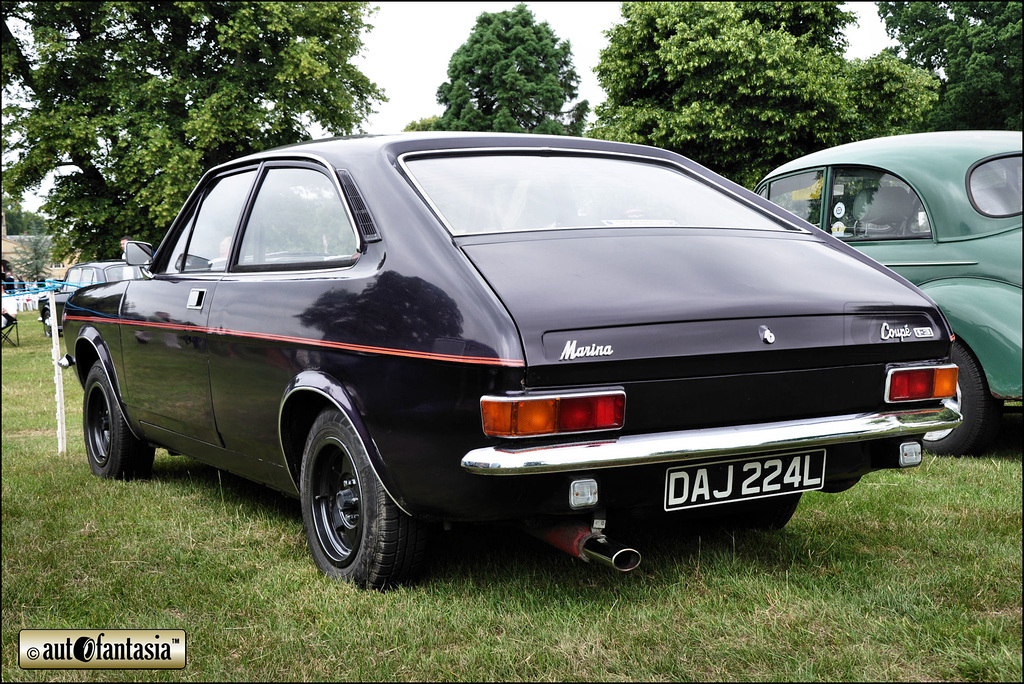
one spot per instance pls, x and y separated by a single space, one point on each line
204 245
870 204
72 280
297 221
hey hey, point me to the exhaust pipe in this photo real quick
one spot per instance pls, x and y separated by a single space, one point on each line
577 539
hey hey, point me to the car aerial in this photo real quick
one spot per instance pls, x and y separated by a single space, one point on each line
406 332
944 211
78 276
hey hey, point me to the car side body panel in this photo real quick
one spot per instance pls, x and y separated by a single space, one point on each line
973 304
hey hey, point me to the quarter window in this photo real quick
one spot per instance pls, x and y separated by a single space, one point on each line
870 204
298 221
995 186
800 195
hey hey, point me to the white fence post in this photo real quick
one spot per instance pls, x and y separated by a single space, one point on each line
58 377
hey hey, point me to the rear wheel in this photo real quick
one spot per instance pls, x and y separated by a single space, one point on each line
114 452
355 531
981 411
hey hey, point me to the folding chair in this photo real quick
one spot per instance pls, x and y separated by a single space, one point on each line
8 331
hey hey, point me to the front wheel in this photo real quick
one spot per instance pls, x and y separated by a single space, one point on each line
114 452
355 531
44 314
981 411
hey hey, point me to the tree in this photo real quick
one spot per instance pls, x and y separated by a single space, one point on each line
730 86
21 222
976 47
32 260
512 75
427 123
131 102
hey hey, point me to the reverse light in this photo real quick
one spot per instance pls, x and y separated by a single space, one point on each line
552 415
918 383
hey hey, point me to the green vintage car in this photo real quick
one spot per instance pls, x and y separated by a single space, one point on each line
944 211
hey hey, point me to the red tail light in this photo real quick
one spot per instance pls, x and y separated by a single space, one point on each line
918 383
552 415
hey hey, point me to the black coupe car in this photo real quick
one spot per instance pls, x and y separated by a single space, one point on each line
413 330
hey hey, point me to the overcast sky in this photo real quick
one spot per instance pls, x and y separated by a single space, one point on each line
407 51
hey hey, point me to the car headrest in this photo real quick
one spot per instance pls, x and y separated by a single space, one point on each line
886 205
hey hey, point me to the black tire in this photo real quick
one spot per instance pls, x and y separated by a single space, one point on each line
982 412
44 314
355 532
114 452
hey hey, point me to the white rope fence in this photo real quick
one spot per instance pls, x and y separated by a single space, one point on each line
26 299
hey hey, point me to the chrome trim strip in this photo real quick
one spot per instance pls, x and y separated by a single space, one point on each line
888 264
684 445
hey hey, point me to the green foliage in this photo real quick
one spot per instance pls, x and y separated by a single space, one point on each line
729 86
512 75
21 222
32 260
428 123
977 47
131 102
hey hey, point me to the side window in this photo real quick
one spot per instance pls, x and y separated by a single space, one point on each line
995 186
72 280
204 244
799 194
870 204
298 221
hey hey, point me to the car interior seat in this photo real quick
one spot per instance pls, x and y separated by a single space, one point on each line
883 212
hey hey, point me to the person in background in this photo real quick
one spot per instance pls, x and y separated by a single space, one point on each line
124 241
9 319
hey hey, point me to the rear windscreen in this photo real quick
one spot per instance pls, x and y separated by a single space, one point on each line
499 193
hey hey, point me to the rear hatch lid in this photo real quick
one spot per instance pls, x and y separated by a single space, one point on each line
698 302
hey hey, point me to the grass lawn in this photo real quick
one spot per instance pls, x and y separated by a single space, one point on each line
910 576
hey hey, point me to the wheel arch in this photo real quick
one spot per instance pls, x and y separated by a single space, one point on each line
306 396
90 347
985 315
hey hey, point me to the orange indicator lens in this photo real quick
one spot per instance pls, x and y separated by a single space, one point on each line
914 384
552 415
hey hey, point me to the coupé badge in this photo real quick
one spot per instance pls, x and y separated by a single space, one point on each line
571 351
767 336
889 332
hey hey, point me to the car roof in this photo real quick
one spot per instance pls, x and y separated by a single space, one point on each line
934 164
99 264
345 150
916 152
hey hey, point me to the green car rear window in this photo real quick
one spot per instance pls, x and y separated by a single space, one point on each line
994 186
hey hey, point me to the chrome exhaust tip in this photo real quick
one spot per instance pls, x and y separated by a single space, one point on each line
601 549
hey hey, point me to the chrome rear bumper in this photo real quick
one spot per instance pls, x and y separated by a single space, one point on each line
664 447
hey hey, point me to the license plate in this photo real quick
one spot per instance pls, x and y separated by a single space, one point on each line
708 484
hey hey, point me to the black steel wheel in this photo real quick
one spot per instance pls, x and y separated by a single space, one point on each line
44 314
355 531
982 412
114 452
